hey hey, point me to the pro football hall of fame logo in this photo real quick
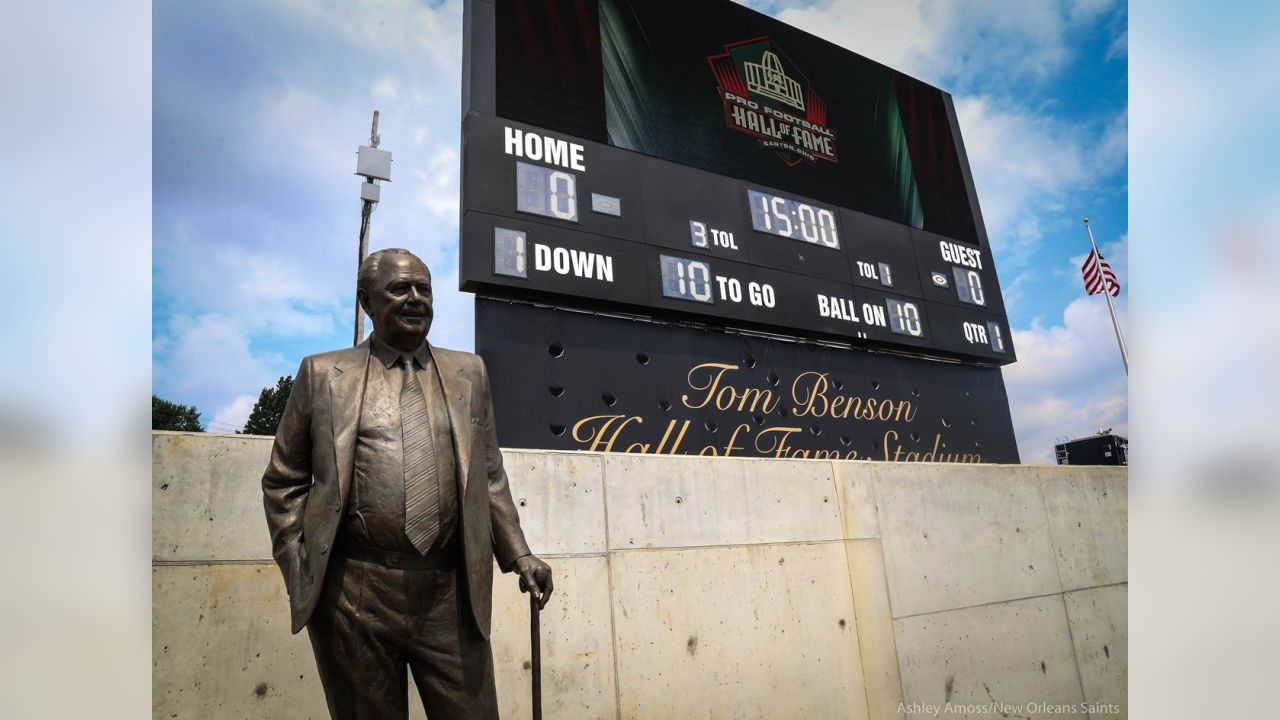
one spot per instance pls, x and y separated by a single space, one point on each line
766 96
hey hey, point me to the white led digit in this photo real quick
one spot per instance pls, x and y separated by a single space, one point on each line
694 268
969 286
975 289
997 338
569 196
764 213
781 214
905 319
510 257
546 192
808 225
910 315
699 232
826 217
686 279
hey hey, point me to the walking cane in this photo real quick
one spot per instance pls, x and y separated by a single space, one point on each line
536 645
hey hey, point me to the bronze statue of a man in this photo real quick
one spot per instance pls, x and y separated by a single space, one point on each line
387 503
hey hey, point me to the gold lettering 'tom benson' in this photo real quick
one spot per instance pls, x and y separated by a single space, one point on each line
811 395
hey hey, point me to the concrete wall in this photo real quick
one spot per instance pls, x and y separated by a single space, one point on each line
702 588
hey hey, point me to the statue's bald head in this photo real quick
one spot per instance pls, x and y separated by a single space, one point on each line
394 287
369 268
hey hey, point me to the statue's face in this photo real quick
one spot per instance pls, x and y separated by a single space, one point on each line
399 301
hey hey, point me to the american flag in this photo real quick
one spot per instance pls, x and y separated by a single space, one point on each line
1096 271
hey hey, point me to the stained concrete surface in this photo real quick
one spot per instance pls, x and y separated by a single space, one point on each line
691 501
991 661
961 536
1099 632
755 631
770 589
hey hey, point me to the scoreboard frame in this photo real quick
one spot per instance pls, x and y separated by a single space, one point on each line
617 265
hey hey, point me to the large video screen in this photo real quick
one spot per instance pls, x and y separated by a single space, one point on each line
723 88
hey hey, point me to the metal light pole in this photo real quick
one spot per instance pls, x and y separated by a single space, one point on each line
373 165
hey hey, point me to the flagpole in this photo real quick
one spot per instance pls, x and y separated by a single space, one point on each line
1106 292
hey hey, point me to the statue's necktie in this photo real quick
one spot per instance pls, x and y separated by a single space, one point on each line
421 489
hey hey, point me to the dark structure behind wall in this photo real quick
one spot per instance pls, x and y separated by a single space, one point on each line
1104 448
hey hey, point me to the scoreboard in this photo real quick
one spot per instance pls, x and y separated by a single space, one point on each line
702 165
582 223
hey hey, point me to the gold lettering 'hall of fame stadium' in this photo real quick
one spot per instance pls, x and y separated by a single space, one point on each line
767 97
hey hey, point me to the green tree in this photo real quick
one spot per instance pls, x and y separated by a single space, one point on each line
166 415
266 414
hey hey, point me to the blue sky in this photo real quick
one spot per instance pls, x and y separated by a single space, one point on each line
258 108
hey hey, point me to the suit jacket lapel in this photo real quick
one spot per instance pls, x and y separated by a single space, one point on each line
457 399
346 396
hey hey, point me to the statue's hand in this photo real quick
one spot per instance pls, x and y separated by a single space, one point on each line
535 574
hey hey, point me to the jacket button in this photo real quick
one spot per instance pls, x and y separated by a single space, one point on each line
337 507
324 549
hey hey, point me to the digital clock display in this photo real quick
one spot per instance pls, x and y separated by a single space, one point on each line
793 219
547 192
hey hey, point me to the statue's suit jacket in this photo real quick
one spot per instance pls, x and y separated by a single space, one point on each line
308 480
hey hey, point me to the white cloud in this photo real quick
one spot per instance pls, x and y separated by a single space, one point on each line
1014 292
1113 148
1025 162
1119 47
298 131
1069 380
394 29
896 34
260 290
260 250
1030 168
385 88
995 44
1021 161
439 185
454 323
206 359
233 416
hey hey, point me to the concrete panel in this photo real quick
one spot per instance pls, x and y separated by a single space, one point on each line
761 631
1100 632
221 646
960 536
560 498
856 489
1088 518
949 581
875 627
206 494
673 501
577 643
1011 659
